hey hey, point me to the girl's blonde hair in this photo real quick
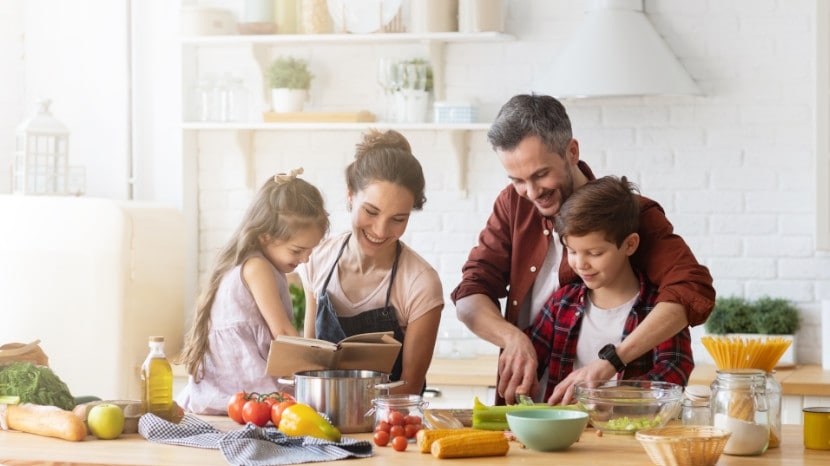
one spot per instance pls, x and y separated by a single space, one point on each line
284 205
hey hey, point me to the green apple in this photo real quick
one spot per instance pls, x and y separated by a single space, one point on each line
105 421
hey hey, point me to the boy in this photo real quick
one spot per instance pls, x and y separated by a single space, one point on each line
598 229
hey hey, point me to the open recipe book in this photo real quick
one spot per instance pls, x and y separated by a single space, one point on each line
367 351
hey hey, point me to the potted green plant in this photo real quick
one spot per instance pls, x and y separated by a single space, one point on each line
736 316
290 80
412 90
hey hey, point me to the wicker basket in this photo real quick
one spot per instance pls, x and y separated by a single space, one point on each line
684 445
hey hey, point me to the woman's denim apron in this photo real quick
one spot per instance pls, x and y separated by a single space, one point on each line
330 327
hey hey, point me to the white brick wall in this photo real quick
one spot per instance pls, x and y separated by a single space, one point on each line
733 169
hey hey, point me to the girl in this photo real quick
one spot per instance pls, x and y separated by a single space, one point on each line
247 303
366 279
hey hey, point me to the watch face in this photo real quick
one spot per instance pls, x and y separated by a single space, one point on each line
606 351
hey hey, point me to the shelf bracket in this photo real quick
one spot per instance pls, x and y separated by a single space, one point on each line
436 61
245 141
460 141
262 57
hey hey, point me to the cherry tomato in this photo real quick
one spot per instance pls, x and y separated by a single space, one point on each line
381 438
400 443
413 419
397 431
411 429
277 409
256 411
395 418
235 405
382 425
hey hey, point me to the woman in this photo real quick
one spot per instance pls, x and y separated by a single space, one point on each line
367 280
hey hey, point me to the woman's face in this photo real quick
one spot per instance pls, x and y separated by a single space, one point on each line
380 213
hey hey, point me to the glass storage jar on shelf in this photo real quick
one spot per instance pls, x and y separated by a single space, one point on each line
739 404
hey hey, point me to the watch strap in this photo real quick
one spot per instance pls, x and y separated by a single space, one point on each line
609 353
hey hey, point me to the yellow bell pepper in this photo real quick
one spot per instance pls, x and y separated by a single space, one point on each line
301 419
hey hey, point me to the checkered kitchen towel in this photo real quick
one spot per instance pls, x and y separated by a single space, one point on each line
250 445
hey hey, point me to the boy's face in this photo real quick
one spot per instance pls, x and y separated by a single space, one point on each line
598 261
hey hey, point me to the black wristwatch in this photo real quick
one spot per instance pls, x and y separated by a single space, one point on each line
609 353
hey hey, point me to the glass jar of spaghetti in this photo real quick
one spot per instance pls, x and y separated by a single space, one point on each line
740 405
774 398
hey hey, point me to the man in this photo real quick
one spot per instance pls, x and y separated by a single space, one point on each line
519 254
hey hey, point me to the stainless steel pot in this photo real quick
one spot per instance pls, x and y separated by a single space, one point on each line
345 396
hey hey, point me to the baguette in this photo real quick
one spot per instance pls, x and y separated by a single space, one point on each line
49 421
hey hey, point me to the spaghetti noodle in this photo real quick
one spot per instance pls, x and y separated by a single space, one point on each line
733 352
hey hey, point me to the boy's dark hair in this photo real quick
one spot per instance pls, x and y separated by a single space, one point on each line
609 204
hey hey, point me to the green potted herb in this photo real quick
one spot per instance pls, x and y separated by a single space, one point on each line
290 80
736 316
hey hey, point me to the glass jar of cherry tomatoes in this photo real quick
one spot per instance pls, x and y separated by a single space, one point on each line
399 415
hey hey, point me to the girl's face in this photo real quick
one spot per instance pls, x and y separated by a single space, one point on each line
380 213
286 255
598 261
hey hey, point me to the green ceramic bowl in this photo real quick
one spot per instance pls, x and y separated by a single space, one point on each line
547 429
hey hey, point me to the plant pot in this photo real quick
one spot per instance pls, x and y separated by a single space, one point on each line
411 106
285 100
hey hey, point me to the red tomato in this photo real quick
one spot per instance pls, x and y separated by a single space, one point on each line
277 409
381 438
413 419
382 425
395 418
278 397
411 429
397 431
235 405
400 443
256 411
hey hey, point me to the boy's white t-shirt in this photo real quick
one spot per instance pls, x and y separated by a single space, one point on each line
599 328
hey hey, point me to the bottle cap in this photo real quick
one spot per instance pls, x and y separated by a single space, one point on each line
157 339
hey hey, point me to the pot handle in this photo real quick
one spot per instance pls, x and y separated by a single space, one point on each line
387 386
286 381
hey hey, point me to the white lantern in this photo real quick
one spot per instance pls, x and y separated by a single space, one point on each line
41 154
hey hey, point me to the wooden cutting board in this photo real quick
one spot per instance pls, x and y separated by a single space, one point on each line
319 117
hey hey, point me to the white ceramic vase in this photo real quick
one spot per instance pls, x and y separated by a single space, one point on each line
284 100
411 106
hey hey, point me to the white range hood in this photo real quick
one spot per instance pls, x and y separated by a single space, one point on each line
617 52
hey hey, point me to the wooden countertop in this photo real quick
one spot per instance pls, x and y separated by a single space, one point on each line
806 380
802 380
479 371
21 449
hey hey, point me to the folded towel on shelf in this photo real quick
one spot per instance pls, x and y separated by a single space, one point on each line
250 445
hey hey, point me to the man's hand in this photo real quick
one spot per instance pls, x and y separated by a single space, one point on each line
517 368
599 370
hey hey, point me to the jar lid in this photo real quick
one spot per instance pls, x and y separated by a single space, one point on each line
698 392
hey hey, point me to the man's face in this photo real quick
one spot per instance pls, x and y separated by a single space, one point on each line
539 174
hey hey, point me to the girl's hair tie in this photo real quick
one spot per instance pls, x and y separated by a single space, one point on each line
281 178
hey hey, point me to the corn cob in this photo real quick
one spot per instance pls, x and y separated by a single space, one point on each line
425 437
471 444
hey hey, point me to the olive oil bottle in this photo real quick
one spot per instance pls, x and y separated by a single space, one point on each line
157 381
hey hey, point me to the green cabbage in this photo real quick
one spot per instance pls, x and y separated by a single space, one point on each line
35 384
